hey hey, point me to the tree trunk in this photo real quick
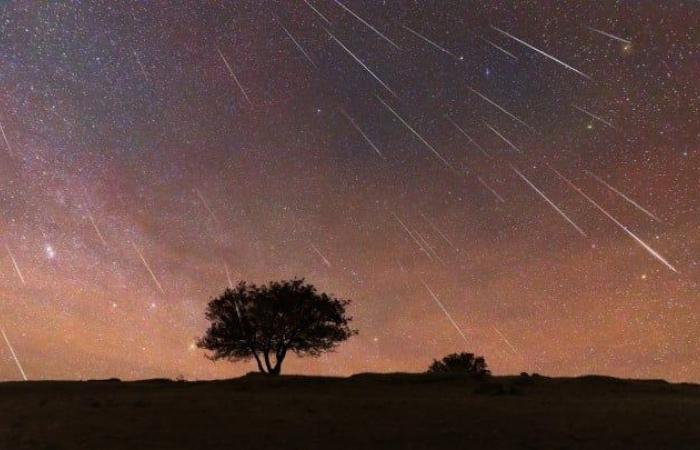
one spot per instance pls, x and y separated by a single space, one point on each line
257 360
278 363
268 364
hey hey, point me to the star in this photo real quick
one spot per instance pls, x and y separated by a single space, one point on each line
49 251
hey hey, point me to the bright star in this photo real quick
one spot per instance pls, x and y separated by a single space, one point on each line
50 252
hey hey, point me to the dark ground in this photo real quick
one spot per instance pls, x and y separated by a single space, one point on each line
363 412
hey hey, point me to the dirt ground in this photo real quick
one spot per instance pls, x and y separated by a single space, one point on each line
392 411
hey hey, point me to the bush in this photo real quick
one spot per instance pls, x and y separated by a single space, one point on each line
460 363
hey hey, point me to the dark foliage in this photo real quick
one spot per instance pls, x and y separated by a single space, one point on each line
266 322
460 363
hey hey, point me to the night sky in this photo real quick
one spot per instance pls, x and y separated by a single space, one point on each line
525 178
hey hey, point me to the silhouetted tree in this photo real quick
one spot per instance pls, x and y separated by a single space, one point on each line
465 363
266 322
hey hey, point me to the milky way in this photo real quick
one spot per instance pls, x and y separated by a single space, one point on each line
523 178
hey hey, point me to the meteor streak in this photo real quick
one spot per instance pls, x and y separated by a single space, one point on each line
415 133
148 268
367 24
400 265
97 230
593 116
299 47
612 36
233 75
505 339
429 247
439 303
543 53
14 263
434 44
364 135
503 137
439 232
230 285
551 203
498 48
408 231
7 143
503 110
629 200
325 19
14 355
359 61
493 191
639 241
228 276
143 69
318 252
471 139
206 206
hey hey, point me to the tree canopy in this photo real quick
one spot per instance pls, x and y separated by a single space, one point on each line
266 322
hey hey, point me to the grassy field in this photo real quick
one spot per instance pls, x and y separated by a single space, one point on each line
399 411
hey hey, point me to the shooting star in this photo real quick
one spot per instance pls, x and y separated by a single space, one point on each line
367 24
415 133
14 355
318 252
97 230
513 146
143 69
148 268
612 36
551 203
228 276
573 69
207 207
401 267
359 61
505 339
434 44
668 68
325 19
593 116
629 200
440 233
497 47
233 75
482 149
7 143
14 264
439 303
408 231
364 135
471 139
429 247
502 109
299 47
230 285
639 241
490 189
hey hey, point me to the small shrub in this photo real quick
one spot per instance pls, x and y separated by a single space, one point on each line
460 363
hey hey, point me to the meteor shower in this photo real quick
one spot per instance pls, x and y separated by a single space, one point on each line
349 223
